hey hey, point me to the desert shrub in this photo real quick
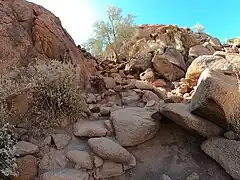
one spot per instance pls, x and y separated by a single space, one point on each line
59 93
8 165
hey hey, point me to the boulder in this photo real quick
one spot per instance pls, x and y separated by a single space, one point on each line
179 113
29 31
108 149
27 168
167 67
215 42
65 174
139 64
226 153
108 170
85 128
25 148
109 82
61 140
133 125
82 159
217 63
217 99
55 159
199 50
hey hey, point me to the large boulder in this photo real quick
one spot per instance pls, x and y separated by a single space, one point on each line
29 31
179 113
226 153
167 67
199 50
216 63
133 125
217 99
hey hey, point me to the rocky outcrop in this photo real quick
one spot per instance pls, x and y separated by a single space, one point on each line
217 99
29 31
226 153
66 174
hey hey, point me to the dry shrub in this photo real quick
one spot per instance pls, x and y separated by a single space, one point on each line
59 94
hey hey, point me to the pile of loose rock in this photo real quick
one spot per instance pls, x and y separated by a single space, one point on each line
169 73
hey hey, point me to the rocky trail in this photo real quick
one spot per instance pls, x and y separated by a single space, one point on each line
169 110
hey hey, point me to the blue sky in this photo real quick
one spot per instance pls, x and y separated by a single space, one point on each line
219 17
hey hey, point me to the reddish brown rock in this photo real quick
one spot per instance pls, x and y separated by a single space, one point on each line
29 31
27 168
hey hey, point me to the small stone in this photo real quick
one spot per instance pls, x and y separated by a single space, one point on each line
61 140
91 98
25 148
150 103
65 174
105 111
231 135
108 170
47 141
98 98
86 128
183 88
129 86
97 161
110 92
165 177
193 176
130 76
149 95
173 99
109 82
27 168
118 88
159 83
143 85
94 116
94 108
108 125
80 158
108 149
186 96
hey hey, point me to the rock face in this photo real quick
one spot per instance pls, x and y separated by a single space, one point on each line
217 99
108 149
180 114
65 174
133 125
225 152
29 31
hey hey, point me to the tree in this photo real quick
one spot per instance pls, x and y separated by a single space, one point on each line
199 28
108 36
